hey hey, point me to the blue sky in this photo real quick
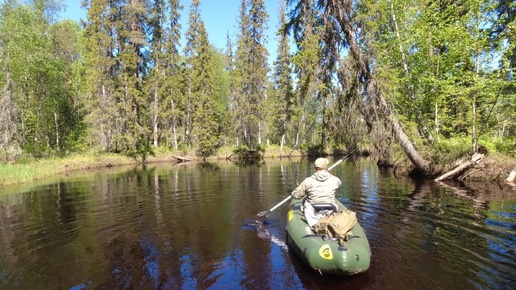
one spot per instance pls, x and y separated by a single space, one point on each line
219 16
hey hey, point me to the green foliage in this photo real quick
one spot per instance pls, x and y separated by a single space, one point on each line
314 150
450 150
508 147
250 74
436 62
40 85
207 88
247 155
120 84
505 146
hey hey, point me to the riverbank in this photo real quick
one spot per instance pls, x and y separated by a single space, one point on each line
494 168
19 173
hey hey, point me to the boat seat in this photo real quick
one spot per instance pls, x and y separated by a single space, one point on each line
324 206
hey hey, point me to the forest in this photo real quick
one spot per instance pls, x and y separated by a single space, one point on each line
428 80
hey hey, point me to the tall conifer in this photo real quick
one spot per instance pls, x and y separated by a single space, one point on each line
252 70
281 108
99 99
203 103
173 99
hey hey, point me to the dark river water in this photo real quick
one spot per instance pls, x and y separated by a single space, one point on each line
183 227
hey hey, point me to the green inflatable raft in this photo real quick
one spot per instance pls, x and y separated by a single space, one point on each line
324 254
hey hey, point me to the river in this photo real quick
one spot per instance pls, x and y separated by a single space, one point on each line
183 227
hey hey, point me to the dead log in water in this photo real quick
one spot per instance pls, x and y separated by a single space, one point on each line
181 159
476 158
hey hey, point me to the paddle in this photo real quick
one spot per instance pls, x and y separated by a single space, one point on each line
262 216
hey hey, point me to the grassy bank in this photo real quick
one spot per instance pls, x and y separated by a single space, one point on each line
495 167
39 169
19 173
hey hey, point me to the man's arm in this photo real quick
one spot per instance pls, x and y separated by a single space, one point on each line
300 191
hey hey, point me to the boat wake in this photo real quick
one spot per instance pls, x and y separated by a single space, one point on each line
280 243
259 227
263 232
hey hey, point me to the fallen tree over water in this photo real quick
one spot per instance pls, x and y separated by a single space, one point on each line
481 166
476 158
512 175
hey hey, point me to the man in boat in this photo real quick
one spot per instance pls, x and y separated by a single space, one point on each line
317 189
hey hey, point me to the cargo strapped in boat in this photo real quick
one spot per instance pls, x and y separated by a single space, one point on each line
337 225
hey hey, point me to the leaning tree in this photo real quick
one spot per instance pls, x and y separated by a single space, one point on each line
341 31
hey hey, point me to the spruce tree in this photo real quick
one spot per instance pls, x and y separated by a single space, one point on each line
203 103
164 82
282 96
173 99
307 110
252 70
131 69
99 100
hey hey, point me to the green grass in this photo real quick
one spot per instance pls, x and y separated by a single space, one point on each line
39 169
442 155
22 173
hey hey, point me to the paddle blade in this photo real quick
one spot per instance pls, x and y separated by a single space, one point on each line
262 216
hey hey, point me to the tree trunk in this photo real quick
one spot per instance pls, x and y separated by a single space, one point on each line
155 128
340 22
477 157
7 110
437 121
58 146
406 145
282 144
343 14
174 133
